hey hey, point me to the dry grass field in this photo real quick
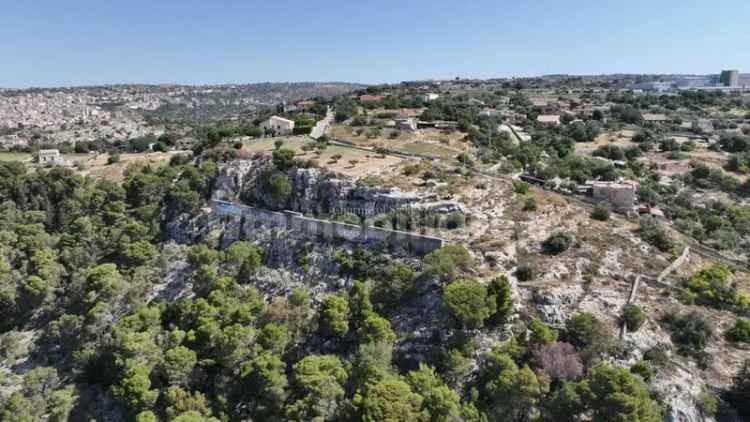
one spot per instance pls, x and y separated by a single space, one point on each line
346 161
96 165
423 141
620 138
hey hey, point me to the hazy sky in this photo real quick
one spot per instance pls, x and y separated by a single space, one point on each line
70 42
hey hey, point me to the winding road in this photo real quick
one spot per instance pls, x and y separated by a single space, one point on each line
322 126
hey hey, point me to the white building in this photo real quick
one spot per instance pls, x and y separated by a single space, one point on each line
409 124
279 125
548 119
654 86
48 157
427 97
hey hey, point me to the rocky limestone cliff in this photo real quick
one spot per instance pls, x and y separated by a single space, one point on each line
314 191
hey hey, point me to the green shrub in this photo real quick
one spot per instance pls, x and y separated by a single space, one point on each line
398 283
410 170
644 369
455 221
334 316
373 133
541 334
581 329
520 187
500 290
632 316
708 403
711 286
658 355
557 243
530 204
525 271
467 301
283 158
601 212
652 232
276 189
740 332
447 261
691 331
612 152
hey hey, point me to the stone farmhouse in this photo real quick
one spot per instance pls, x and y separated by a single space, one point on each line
279 125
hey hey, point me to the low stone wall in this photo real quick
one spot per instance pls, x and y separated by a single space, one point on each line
707 252
674 265
326 229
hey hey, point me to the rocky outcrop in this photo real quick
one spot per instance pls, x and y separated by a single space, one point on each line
230 179
189 229
314 191
441 207
318 192
680 388
551 303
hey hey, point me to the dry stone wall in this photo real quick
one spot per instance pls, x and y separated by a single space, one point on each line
329 230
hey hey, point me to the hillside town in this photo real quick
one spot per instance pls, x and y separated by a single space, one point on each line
46 117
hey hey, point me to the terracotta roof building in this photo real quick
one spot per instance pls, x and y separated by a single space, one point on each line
367 98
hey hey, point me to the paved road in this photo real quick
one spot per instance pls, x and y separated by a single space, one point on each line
322 126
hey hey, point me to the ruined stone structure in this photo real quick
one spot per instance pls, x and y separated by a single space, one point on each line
329 230
620 195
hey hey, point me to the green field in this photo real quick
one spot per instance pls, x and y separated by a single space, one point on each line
268 144
15 156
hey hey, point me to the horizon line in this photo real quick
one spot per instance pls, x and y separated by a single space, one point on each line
224 84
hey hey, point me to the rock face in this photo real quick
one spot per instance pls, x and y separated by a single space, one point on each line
680 387
317 192
442 207
314 191
230 179
551 303
189 229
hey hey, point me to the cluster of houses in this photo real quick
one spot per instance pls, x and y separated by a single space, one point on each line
425 97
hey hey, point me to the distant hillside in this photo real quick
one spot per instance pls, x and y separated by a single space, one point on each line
228 101
57 108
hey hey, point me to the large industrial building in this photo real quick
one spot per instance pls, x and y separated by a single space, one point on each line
730 77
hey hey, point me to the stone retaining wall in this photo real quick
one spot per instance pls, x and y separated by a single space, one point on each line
674 265
326 229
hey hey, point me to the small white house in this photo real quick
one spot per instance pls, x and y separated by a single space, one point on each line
48 157
279 125
548 119
428 97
